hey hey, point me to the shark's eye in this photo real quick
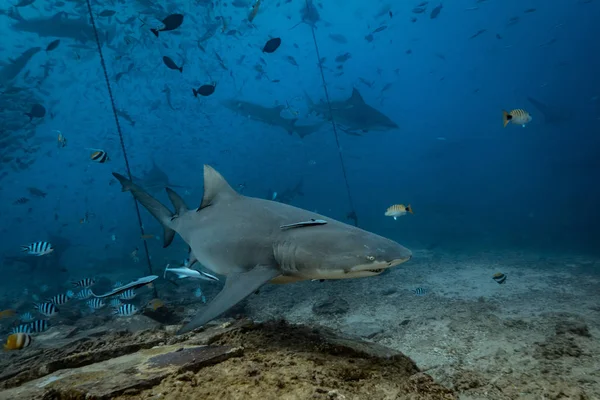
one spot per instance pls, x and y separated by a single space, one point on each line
370 258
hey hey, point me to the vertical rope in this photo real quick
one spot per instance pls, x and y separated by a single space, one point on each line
114 109
335 132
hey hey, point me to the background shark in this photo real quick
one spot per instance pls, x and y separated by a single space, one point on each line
14 67
552 115
242 238
271 116
155 179
354 114
60 26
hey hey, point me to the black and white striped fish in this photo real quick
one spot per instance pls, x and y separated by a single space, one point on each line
39 325
420 291
38 248
99 156
59 299
95 304
128 295
85 282
115 303
47 309
84 294
125 310
23 328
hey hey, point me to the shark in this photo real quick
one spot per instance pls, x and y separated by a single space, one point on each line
11 70
552 115
252 241
271 116
354 114
59 26
155 179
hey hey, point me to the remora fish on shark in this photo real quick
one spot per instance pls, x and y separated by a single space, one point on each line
271 116
354 114
241 237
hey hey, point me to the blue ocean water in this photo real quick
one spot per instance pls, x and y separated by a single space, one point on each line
442 72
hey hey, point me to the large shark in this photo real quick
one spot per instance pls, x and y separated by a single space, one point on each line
254 241
14 67
354 114
271 116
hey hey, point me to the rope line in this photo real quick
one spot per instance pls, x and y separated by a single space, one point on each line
114 109
337 139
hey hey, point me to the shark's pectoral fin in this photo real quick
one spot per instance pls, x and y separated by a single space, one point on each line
237 287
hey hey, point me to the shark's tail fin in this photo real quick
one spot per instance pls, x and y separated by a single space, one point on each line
154 207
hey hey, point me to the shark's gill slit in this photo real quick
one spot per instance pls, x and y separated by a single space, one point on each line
352 213
114 109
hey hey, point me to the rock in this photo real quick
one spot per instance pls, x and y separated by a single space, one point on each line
572 327
363 329
331 306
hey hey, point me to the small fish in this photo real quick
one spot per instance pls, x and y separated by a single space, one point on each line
21 200
398 210
17 341
47 309
170 23
36 192
128 295
204 90
436 11
125 310
271 45
499 277
115 303
134 255
155 304
254 11
107 13
185 272
517 116
7 313
61 140
198 293
84 294
86 218
419 291
39 326
53 45
59 299
84 283
95 304
23 328
26 317
37 111
171 64
380 29
38 248
99 156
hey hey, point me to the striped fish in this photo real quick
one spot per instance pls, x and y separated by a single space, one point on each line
84 294
99 156
125 310
85 283
47 309
17 341
114 303
39 325
59 299
95 304
26 317
38 248
398 210
23 328
516 116
128 295
420 291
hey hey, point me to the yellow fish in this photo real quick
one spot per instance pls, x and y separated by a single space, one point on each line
254 11
398 210
516 116
7 313
17 341
62 140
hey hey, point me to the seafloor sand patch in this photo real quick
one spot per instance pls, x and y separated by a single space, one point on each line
534 337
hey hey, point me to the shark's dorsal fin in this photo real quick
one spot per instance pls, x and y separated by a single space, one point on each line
215 187
356 97
177 201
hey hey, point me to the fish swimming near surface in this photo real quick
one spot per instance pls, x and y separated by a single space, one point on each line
516 116
398 210
499 277
170 23
271 116
354 114
38 248
240 237
17 341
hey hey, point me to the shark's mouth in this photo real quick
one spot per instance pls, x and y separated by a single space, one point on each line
375 271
